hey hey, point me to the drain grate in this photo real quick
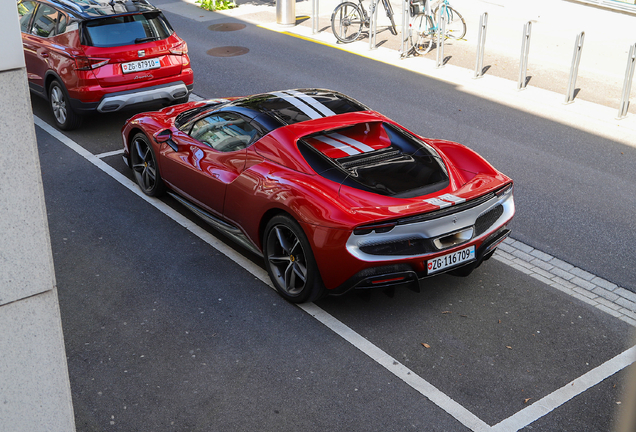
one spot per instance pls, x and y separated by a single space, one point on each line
225 27
228 51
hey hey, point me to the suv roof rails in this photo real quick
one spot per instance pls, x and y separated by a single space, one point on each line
70 4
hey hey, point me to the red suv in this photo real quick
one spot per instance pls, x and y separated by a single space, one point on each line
99 55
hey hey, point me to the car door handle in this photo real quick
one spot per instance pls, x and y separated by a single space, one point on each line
44 54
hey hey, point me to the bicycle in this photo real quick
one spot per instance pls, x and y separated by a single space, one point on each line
348 18
425 24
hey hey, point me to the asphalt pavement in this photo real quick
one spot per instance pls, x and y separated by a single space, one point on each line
165 332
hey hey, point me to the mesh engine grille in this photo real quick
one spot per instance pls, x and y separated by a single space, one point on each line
486 220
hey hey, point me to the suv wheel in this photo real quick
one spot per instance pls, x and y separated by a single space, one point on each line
65 117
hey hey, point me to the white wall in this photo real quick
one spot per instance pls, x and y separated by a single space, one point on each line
35 393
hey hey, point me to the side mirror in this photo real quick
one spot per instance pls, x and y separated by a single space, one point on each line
165 136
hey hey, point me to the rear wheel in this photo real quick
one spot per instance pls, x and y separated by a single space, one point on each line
290 261
65 117
455 24
144 165
346 22
422 34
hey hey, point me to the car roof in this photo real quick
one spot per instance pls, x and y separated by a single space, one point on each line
298 105
92 9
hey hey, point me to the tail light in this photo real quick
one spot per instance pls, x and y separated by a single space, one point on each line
378 228
179 49
504 190
89 63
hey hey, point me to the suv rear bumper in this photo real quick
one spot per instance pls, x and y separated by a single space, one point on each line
112 102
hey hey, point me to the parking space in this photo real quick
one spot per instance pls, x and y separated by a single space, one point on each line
170 327
494 343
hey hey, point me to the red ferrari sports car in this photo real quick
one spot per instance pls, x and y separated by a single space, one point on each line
332 194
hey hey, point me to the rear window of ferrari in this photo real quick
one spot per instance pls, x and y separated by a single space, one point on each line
376 157
126 30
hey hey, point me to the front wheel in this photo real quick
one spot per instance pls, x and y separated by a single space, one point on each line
346 22
144 165
455 24
389 14
422 34
65 117
290 261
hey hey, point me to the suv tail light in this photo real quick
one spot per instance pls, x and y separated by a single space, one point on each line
88 63
179 49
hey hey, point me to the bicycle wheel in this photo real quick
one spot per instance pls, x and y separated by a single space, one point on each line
389 13
455 24
346 22
421 34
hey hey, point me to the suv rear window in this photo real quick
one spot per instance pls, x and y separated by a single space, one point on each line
126 30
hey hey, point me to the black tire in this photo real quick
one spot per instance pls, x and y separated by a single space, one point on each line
144 165
181 100
455 24
346 22
422 34
290 261
64 116
389 14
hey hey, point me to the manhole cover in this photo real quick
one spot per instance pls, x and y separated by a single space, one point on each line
228 51
227 27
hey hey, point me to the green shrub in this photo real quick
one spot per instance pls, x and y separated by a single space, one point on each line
213 5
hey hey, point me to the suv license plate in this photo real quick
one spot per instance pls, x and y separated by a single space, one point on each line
141 65
450 260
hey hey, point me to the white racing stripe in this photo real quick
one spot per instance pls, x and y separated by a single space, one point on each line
337 144
518 421
311 101
306 109
452 198
438 202
352 142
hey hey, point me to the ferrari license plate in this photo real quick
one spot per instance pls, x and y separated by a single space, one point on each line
141 65
450 260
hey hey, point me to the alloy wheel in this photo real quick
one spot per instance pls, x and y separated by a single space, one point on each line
287 260
58 104
144 165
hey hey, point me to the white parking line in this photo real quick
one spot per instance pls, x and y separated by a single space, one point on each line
519 420
108 154
567 392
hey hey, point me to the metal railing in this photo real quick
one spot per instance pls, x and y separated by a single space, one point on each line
481 43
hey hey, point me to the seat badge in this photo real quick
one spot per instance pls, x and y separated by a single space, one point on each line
141 53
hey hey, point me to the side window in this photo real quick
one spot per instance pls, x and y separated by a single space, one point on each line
25 11
61 25
45 22
224 132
